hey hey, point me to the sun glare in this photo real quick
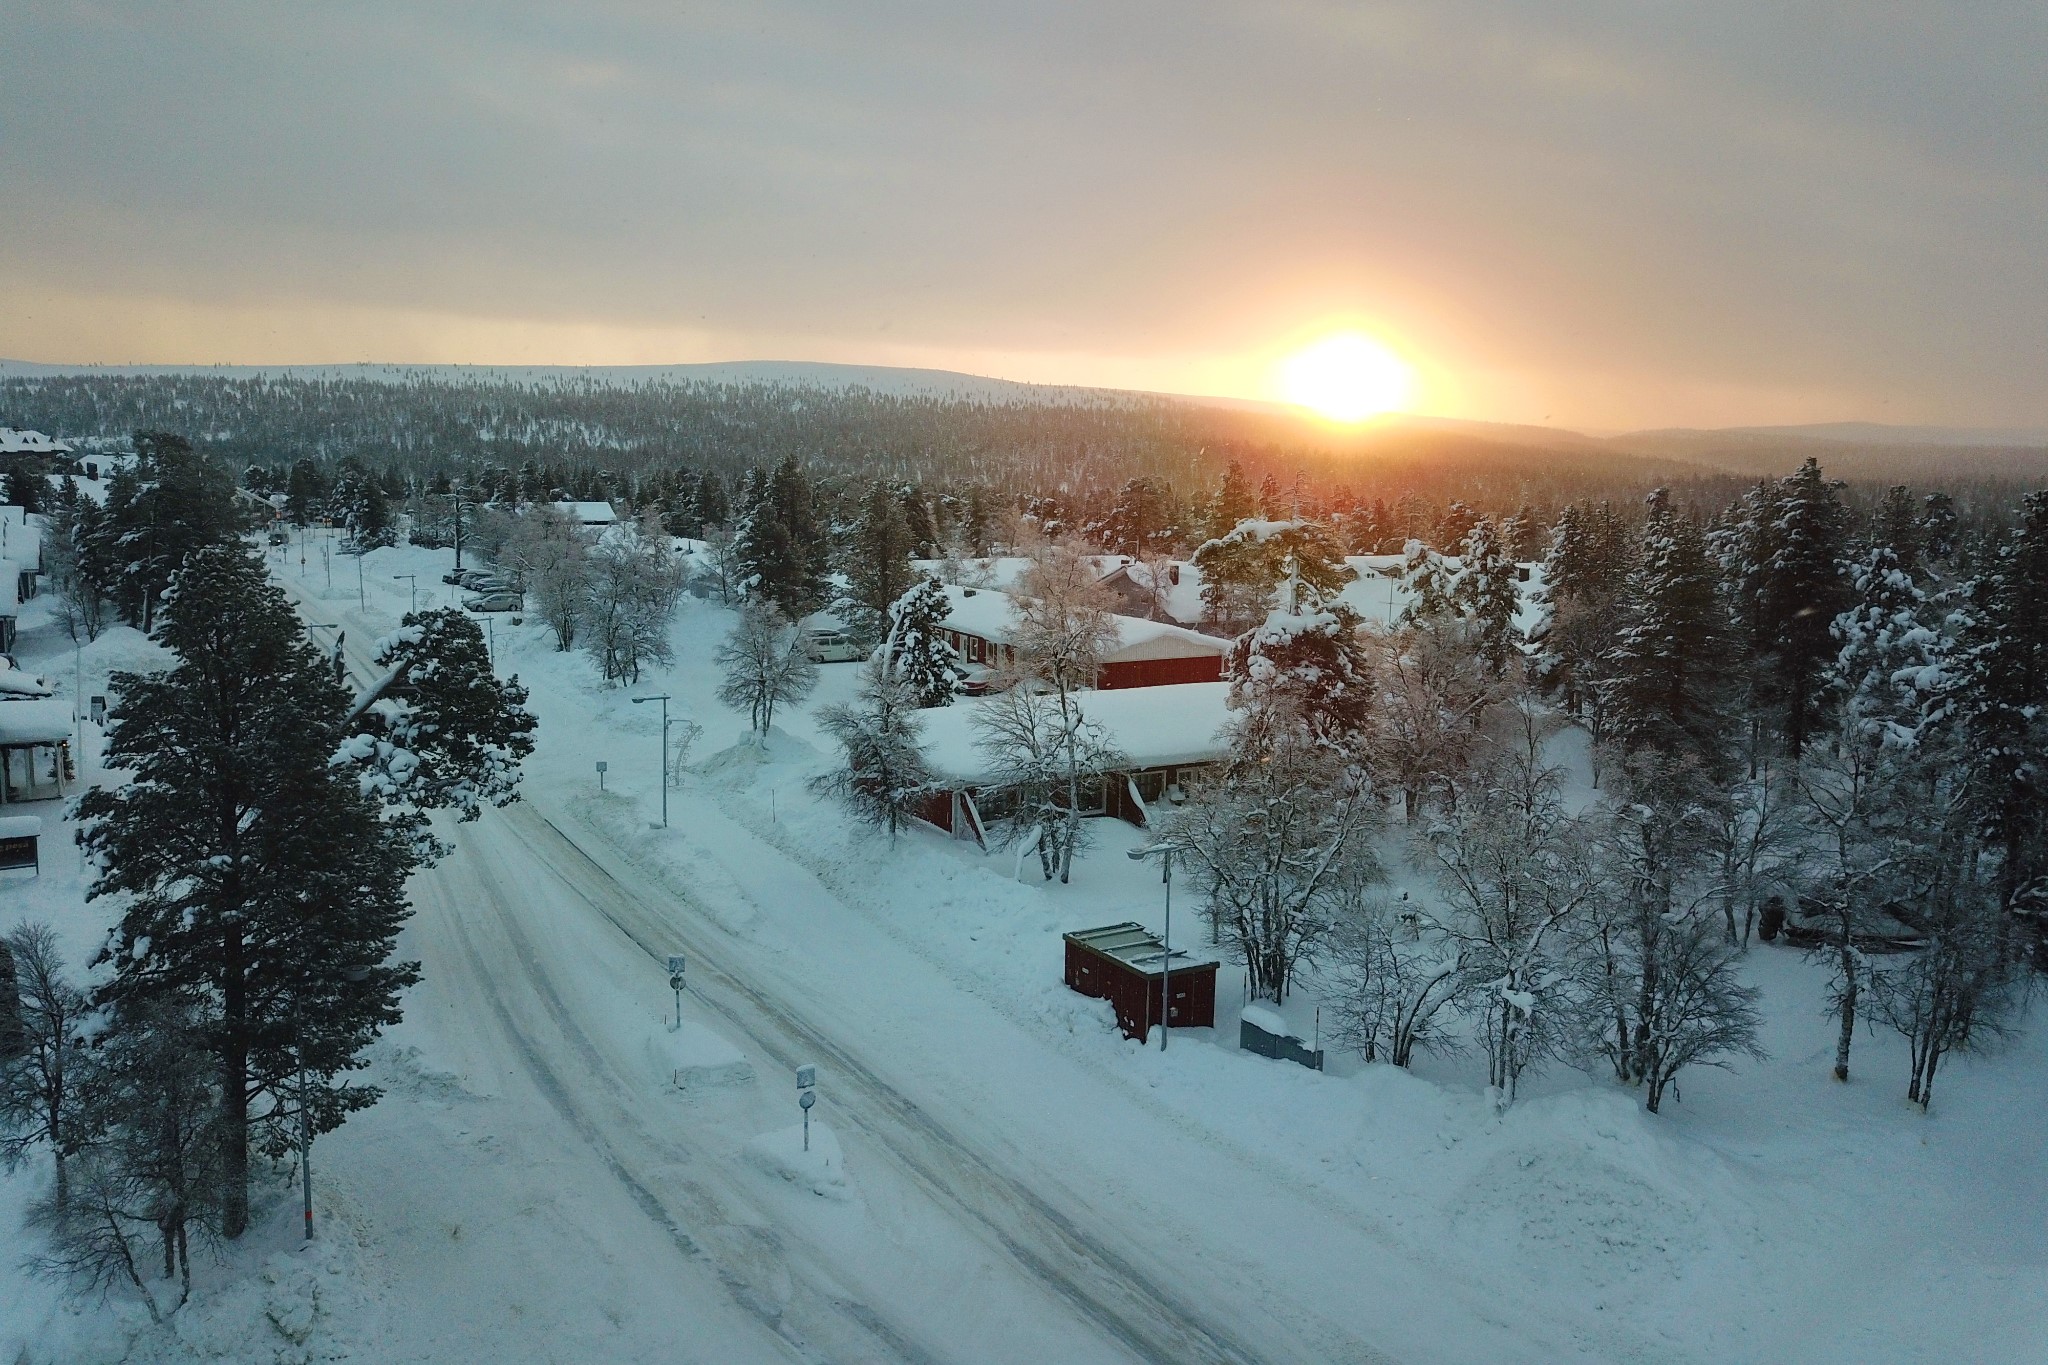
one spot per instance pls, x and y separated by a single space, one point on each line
1346 378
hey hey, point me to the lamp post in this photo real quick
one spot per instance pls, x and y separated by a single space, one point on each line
663 699
1165 852
412 585
352 975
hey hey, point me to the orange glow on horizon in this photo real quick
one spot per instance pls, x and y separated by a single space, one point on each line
1346 377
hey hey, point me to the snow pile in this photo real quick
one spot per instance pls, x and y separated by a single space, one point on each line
694 1057
821 1170
301 1307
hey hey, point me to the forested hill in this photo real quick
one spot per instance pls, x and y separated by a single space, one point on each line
1015 438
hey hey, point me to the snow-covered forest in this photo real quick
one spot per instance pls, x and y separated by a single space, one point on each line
1542 808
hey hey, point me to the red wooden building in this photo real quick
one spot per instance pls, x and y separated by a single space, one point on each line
980 622
1124 964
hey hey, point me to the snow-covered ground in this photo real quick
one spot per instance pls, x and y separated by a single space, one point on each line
996 1174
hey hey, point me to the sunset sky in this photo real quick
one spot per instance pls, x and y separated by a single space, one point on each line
1594 215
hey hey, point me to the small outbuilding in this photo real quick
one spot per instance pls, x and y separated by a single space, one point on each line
1124 964
35 750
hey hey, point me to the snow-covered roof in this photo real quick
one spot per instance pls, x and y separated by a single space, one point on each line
21 826
16 442
590 513
1136 946
34 722
1153 727
992 616
1002 572
17 682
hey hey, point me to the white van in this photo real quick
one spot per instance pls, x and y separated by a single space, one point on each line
831 645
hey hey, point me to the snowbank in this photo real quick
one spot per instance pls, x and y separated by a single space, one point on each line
821 1170
694 1057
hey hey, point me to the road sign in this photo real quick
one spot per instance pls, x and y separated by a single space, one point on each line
808 1098
675 983
806 1077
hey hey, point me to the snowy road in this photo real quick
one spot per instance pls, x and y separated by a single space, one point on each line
1013 1203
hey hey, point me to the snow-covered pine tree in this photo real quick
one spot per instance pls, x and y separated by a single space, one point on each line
1889 660
439 730
918 524
918 652
1306 672
1997 699
877 563
1427 584
1488 592
1897 527
259 881
1804 585
884 774
1662 687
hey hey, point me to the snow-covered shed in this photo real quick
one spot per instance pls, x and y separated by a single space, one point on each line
1167 736
1129 967
981 626
35 749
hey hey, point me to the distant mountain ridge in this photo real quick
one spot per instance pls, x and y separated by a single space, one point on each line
1849 449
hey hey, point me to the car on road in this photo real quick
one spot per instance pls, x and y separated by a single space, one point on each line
496 601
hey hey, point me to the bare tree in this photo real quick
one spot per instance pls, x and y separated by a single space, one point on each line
1034 747
1755 843
40 1090
1516 882
1063 630
551 554
635 582
1698 1008
1394 975
1280 847
1434 695
765 665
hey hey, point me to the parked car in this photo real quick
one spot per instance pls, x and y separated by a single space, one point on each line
830 645
496 601
477 580
455 576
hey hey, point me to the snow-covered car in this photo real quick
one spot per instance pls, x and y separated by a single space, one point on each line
455 576
476 580
829 645
496 601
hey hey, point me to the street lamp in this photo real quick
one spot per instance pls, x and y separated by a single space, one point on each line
352 975
412 585
1165 852
663 699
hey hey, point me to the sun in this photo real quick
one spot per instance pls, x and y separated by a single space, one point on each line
1347 377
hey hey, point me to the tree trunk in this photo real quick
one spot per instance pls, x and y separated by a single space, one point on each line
1849 990
234 1091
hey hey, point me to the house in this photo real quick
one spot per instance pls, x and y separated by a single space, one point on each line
589 513
1168 736
981 626
28 445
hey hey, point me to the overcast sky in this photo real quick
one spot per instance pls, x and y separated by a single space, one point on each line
1602 215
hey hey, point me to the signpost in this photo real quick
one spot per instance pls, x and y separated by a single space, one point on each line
675 979
806 1096
602 768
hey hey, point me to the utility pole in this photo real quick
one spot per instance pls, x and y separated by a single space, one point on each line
663 699
1139 855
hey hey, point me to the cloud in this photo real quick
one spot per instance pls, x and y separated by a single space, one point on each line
1602 212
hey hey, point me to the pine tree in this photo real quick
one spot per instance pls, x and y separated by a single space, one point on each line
1803 587
1890 656
1303 673
917 649
885 773
261 884
1427 585
1898 527
1488 591
305 491
878 569
175 502
1997 698
1662 689
917 521
1234 502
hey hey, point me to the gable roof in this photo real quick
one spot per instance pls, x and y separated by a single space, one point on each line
992 616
